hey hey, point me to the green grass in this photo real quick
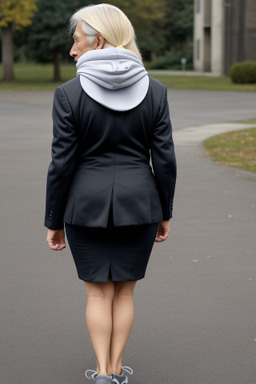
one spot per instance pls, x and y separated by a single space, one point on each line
31 76
251 121
236 149
204 83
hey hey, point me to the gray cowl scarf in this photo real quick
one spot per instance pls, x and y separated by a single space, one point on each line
114 77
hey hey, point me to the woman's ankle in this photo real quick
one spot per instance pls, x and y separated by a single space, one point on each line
117 371
104 371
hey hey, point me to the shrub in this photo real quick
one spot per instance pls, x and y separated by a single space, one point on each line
243 72
171 60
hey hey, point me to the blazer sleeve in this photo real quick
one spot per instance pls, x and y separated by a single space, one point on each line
163 157
63 164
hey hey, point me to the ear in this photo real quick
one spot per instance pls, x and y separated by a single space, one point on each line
100 41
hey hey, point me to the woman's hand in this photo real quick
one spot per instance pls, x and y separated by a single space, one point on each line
56 239
163 231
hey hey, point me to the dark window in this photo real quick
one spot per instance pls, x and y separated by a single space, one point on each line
198 49
197 6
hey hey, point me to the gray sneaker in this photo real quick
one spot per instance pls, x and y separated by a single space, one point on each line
103 379
98 379
121 379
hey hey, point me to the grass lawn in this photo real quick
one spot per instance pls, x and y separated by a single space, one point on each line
39 77
236 149
204 83
251 121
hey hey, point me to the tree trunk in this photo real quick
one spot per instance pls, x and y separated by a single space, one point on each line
7 53
56 64
153 56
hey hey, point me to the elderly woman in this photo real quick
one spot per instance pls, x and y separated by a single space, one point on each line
106 124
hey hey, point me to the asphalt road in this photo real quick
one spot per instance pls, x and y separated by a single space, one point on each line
188 108
195 310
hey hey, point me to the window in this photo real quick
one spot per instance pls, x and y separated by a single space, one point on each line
197 6
198 50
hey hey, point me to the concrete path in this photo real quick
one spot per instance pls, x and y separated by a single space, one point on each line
195 135
195 310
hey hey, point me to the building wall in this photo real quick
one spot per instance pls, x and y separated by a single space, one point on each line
234 33
198 36
207 33
250 30
202 35
240 40
217 47
224 33
210 31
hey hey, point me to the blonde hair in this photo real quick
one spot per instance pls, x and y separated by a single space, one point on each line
110 22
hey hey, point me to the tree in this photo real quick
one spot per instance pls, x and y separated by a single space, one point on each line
13 14
148 19
179 23
49 38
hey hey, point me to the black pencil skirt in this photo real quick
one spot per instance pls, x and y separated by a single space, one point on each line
116 253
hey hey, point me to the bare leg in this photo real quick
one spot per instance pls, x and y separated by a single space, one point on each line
99 322
123 317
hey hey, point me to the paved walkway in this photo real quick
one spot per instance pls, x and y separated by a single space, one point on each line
212 267
194 135
195 311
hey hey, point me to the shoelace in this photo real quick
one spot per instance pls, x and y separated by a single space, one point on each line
90 374
127 369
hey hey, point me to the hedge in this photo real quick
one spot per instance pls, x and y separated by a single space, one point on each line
243 72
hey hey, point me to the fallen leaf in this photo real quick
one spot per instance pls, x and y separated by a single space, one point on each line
194 260
229 216
209 257
226 192
253 205
250 279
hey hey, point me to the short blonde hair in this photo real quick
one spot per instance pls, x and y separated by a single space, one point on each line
110 22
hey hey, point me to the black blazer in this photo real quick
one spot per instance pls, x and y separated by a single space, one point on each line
101 161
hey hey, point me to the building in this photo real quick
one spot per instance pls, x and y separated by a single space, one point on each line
224 33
